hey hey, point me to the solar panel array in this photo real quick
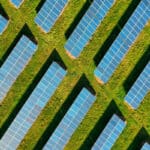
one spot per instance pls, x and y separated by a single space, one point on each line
32 108
16 3
87 26
49 13
146 146
71 121
123 42
15 63
24 50
3 24
140 88
110 134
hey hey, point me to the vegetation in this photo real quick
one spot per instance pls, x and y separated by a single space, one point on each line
80 72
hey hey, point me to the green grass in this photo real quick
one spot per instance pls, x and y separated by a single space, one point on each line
55 39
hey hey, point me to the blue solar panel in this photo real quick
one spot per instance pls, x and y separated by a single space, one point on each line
49 13
15 63
146 146
32 108
87 26
71 121
140 88
110 134
123 42
17 3
3 24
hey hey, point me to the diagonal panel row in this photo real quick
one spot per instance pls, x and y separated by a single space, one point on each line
110 134
32 108
87 26
49 13
140 88
71 121
15 63
120 46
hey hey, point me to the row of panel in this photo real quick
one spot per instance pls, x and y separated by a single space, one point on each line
139 89
15 63
69 123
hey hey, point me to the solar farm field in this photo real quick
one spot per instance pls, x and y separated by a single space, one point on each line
108 99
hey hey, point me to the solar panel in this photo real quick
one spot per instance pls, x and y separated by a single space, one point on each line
49 13
16 3
32 108
15 63
71 121
87 26
110 134
139 89
123 42
146 146
3 24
